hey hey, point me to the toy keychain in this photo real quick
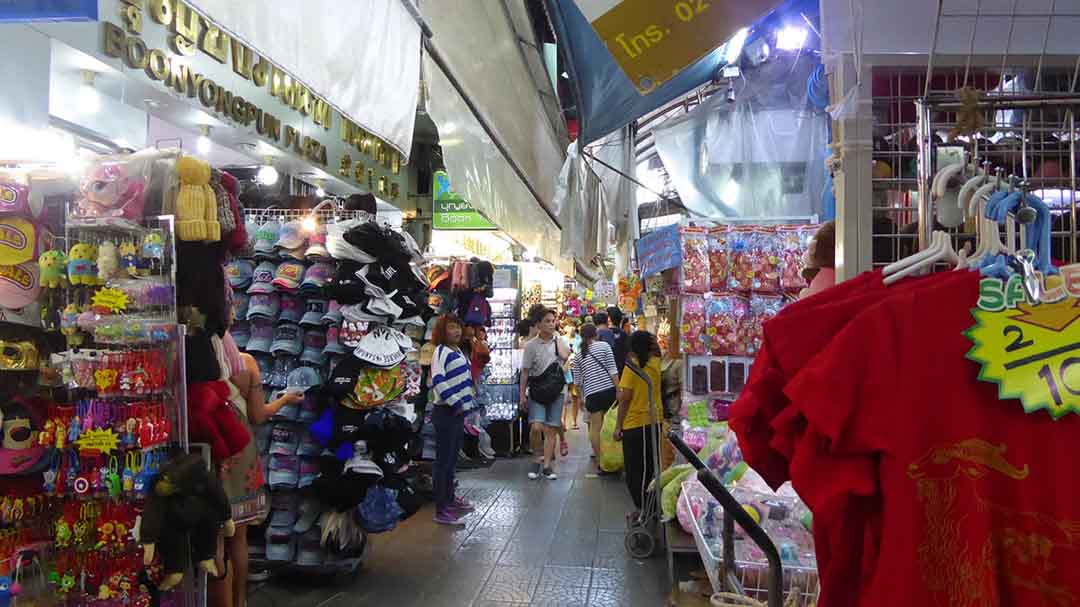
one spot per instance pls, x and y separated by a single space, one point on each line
138 472
131 468
112 477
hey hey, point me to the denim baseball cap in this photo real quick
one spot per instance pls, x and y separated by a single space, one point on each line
239 272
284 509
287 339
316 308
288 276
284 471
314 343
317 245
283 365
262 336
309 471
284 439
266 237
241 333
252 230
290 236
263 306
280 544
317 277
266 367
262 278
292 308
303 377
333 313
333 345
241 301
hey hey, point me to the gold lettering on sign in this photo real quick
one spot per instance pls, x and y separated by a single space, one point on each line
260 74
322 113
359 171
132 17
114 41
215 42
161 11
345 165
157 65
242 59
179 76
395 164
185 28
395 191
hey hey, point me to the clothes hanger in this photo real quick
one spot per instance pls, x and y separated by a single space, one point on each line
914 258
941 251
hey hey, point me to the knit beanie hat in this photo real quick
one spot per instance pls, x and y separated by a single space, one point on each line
224 209
239 237
196 205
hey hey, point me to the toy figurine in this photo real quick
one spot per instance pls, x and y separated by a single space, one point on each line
69 324
153 252
109 190
53 267
129 259
8 589
80 264
184 511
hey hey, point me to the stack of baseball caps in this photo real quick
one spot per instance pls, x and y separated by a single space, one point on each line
333 313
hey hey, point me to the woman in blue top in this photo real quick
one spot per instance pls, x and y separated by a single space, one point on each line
455 395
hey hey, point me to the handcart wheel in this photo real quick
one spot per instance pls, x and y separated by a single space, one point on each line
640 543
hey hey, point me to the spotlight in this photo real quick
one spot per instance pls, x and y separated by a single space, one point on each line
790 38
309 224
267 174
203 143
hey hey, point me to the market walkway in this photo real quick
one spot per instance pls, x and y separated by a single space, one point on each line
557 543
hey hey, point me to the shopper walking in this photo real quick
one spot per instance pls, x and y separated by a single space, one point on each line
595 376
619 336
636 426
570 414
543 383
452 385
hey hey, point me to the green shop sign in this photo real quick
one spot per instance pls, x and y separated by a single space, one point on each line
452 212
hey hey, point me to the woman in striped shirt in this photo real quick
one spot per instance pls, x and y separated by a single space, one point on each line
595 376
455 395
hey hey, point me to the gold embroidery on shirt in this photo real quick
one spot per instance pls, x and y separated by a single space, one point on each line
1019 550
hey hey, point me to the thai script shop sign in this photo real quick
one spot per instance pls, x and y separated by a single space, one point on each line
652 40
189 33
452 212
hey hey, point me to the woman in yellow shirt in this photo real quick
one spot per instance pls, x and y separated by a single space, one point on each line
637 427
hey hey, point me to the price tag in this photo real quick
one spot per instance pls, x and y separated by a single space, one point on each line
110 300
97 442
1031 351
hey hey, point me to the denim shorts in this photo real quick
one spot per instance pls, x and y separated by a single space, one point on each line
549 415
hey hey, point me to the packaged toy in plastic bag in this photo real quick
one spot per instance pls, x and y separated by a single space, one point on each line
671 482
794 242
741 262
693 338
765 257
719 258
725 316
762 308
115 187
694 271
695 501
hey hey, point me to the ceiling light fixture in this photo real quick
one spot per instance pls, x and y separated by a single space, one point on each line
267 174
203 143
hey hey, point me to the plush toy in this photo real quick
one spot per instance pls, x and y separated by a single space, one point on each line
129 259
53 267
573 304
8 590
80 265
212 422
196 204
110 191
185 509
153 252
108 261
69 324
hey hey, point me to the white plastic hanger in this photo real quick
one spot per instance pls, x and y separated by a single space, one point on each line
914 258
941 250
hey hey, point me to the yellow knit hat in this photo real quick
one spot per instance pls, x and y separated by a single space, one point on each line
196 206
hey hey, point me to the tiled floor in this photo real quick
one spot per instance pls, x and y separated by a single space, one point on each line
538 543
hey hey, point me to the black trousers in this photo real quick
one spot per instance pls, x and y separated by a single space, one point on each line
639 461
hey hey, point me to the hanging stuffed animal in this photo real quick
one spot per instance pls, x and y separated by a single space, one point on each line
111 190
53 267
129 259
185 509
573 305
108 261
69 325
80 265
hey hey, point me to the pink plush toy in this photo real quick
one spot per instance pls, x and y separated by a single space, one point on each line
109 191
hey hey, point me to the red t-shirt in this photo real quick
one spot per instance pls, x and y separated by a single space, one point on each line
975 500
773 436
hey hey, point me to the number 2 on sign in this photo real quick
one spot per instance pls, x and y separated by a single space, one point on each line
687 9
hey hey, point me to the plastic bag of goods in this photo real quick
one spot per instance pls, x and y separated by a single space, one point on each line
611 456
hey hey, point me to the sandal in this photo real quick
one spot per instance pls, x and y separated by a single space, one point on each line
564 449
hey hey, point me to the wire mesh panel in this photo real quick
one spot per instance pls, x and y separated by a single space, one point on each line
1036 144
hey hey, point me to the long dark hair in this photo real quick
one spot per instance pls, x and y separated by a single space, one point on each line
642 344
588 336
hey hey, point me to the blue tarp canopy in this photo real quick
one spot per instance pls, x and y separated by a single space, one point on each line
609 100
